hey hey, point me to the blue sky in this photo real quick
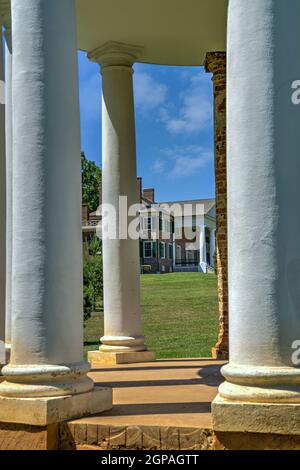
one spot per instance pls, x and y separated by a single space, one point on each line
174 127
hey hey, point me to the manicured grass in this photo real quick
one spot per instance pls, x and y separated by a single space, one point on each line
179 314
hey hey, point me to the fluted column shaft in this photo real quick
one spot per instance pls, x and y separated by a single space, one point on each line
2 206
122 324
9 157
263 201
47 318
123 339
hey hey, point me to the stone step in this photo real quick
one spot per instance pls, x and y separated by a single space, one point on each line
80 436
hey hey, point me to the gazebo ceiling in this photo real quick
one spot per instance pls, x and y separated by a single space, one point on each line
172 32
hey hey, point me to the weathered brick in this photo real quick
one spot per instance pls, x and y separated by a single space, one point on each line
80 431
133 437
151 438
117 438
25 437
216 64
169 438
92 434
103 436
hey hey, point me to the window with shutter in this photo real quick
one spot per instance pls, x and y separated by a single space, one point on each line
154 250
147 249
162 250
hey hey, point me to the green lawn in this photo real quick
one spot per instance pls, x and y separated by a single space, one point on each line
179 314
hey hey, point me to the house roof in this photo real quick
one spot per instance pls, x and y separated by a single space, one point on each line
208 204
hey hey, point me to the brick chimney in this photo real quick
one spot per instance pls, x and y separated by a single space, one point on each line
140 188
149 194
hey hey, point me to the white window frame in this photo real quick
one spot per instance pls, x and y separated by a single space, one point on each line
166 225
153 223
144 249
146 225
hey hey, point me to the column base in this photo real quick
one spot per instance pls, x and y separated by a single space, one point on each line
45 411
254 441
98 358
259 418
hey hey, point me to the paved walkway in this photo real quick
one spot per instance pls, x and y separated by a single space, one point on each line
159 405
174 392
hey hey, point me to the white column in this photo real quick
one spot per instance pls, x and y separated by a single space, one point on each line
212 241
9 144
2 207
174 253
47 326
202 249
121 264
263 205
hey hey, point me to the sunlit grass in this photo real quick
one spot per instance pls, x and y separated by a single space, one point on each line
179 314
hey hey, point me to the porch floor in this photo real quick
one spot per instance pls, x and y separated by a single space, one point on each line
156 405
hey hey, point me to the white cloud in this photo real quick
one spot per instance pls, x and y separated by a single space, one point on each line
195 111
186 161
148 93
159 165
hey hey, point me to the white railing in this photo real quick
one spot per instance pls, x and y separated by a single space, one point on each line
90 223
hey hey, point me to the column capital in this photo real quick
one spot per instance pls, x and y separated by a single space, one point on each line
5 14
215 62
114 53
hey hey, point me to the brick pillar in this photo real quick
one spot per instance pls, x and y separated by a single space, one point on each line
85 214
215 63
140 188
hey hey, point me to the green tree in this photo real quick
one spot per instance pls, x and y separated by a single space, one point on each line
91 179
88 299
92 282
95 246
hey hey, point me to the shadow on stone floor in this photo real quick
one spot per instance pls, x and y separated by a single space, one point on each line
159 409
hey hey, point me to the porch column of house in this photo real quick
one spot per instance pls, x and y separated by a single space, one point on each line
174 253
123 341
47 323
215 63
202 249
262 390
212 244
2 205
9 144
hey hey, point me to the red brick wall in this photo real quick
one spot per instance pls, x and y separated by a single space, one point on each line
85 212
216 64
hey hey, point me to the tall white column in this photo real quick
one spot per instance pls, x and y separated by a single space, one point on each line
212 242
121 264
202 249
9 144
2 206
47 322
263 223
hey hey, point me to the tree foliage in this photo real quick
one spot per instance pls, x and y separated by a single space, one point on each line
92 278
91 179
95 246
